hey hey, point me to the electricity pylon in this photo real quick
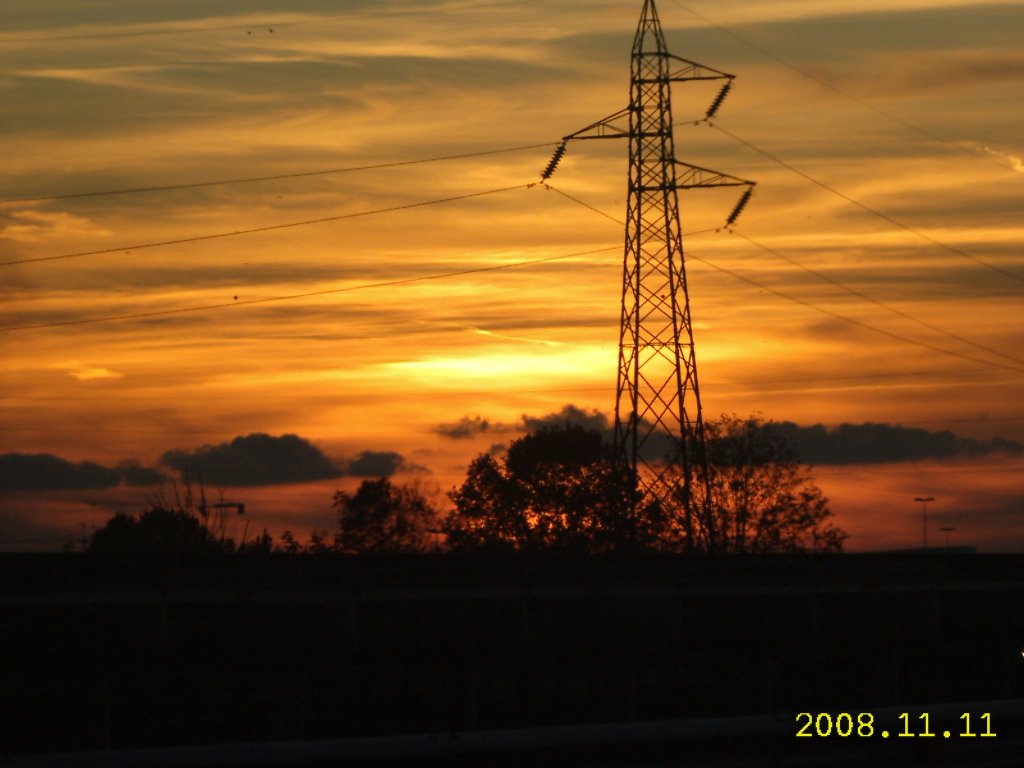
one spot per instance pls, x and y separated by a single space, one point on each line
659 427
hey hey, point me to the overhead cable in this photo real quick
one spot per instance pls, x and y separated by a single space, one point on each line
851 320
874 211
873 300
291 297
817 308
251 179
856 99
309 294
269 228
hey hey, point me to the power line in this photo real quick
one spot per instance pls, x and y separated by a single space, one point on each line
827 279
269 228
290 297
599 212
309 294
835 89
821 276
182 310
251 179
817 308
876 302
869 209
853 321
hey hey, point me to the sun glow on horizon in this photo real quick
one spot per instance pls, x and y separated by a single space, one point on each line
439 289
581 362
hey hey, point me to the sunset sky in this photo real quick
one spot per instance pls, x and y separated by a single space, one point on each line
886 288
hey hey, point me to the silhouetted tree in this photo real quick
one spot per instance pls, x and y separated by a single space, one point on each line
382 517
556 488
157 531
762 498
289 544
320 541
263 544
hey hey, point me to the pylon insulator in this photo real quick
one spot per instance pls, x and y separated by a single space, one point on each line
553 162
713 109
739 207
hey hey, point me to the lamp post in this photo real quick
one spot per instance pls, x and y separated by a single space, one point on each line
947 532
924 515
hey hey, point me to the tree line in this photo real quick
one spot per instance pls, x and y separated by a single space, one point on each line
555 489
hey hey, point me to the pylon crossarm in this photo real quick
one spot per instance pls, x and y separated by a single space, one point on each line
694 176
695 71
604 128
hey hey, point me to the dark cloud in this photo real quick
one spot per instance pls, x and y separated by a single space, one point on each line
375 464
878 443
655 447
846 444
468 426
256 459
570 414
45 472
135 474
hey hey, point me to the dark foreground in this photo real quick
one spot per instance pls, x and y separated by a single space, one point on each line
500 661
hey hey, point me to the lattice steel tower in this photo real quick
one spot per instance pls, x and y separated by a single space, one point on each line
659 428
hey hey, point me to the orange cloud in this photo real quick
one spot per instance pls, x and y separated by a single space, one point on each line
98 107
35 226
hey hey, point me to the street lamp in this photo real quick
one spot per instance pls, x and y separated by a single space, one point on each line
947 532
924 515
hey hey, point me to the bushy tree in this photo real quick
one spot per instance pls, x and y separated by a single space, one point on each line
762 498
382 517
556 488
263 544
157 531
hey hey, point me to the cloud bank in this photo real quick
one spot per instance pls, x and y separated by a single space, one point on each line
46 472
250 460
470 426
877 443
256 459
375 464
867 443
